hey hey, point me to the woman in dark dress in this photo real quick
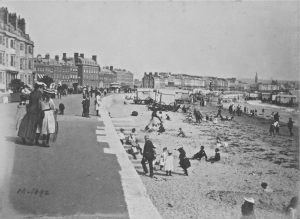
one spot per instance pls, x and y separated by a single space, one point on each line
28 126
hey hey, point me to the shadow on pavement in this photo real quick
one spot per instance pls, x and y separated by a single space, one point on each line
72 177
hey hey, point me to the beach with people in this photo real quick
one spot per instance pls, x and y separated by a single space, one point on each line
249 158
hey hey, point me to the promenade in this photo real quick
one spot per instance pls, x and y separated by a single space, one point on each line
84 174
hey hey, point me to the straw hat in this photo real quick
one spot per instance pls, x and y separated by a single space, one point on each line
42 84
49 91
249 199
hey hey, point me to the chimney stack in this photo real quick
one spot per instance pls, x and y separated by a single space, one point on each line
47 56
76 57
12 17
111 68
81 55
94 57
64 57
21 24
4 15
57 58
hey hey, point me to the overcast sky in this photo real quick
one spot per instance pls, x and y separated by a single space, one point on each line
223 39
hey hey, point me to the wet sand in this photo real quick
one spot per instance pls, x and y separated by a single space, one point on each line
216 190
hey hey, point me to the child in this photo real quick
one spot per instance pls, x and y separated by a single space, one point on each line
272 129
48 123
122 136
183 160
200 154
168 117
61 108
162 159
161 128
169 166
217 156
181 133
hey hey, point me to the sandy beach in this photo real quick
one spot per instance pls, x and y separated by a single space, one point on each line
216 190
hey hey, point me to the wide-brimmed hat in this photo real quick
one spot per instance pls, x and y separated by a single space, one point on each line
249 199
41 84
49 91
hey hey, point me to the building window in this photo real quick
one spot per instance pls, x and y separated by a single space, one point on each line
12 44
29 49
2 39
6 42
21 46
30 64
1 78
12 60
2 58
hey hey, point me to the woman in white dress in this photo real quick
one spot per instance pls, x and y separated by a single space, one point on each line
97 103
47 125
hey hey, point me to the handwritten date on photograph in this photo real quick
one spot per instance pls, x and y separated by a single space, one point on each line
34 191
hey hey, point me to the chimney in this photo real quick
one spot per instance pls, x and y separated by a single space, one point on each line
47 56
21 24
94 58
81 55
64 57
57 58
76 57
111 68
4 15
12 17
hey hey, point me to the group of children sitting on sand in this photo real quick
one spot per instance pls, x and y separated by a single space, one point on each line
132 141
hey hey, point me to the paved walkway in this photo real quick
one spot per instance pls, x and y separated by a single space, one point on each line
85 174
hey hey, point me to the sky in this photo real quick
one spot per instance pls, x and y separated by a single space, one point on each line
220 38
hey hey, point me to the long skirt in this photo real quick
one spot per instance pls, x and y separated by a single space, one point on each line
21 112
48 124
28 126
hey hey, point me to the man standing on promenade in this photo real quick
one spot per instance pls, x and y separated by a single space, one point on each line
148 155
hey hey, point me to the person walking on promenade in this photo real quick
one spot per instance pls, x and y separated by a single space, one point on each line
85 107
97 103
47 125
28 126
148 155
290 126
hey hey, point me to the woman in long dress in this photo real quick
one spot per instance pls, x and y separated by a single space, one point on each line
28 126
97 103
21 112
47 125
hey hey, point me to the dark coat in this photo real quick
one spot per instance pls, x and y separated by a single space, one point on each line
149 151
